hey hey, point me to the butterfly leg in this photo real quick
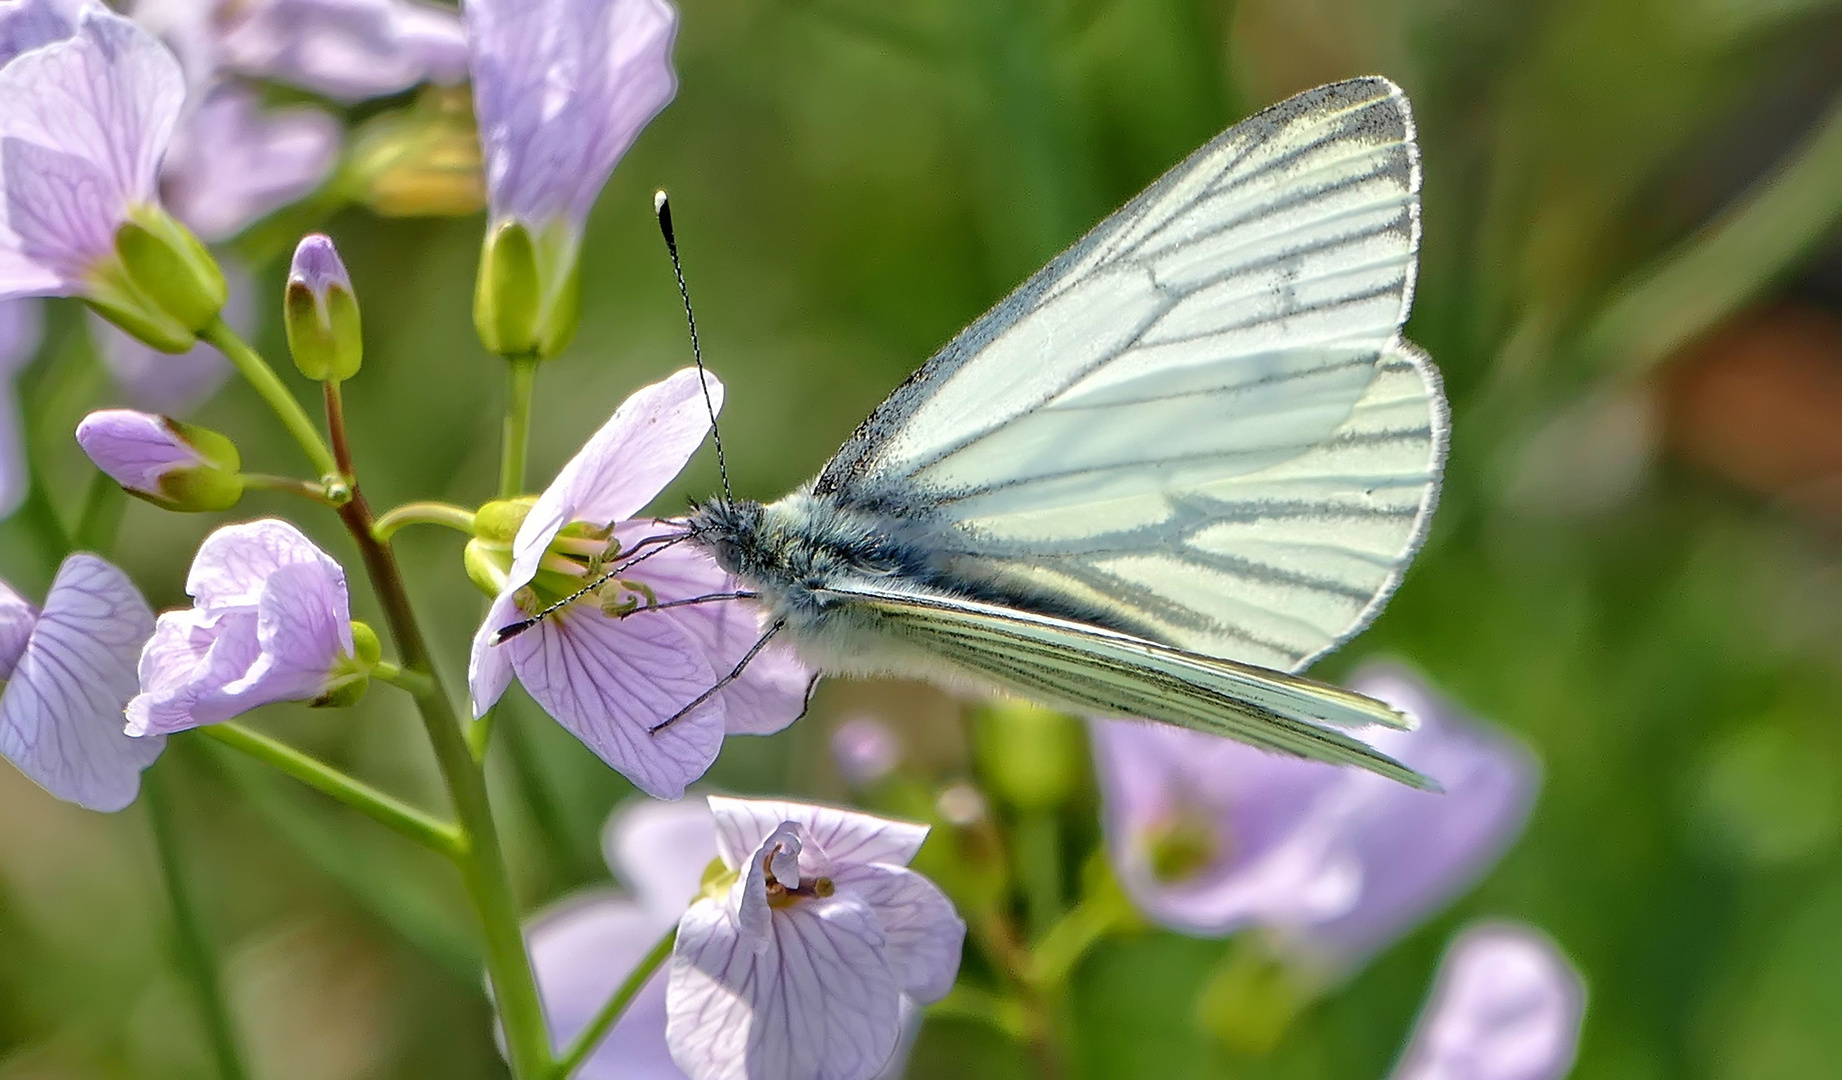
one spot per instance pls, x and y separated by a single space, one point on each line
707 598
734 674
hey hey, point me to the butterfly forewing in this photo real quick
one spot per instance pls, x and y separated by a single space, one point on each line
1200 421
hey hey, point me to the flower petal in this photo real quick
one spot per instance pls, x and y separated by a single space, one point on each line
773 688
235 562
27 24
622 467
818 1001
489 666
846 837
609 681
162 382
135 449
232 162
61 712
22 326
349 50
17 618
581 952
660 851
1506 1006
925 935
107 97
304 626
59 206
188 666
1262 854
1419 849
562 88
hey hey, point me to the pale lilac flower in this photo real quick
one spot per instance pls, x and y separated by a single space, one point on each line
83 123
1506 1006
137 450
270 622
610 679
561 89
865 751
1209 836
175 383
21 325
346 49
66 673
232 162
27 24
800 966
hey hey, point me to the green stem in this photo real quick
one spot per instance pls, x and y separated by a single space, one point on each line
482 863
387 810
1061 950
1001 1012
195 953
390 521
102 514
604 1021
1039 866
262 378
521 379
306 489
403 680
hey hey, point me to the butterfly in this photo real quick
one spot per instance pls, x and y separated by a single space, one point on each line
1183 461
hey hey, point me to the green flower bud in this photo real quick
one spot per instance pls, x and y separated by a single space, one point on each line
527 298
171 272
171 464
321 313
366 648
498 521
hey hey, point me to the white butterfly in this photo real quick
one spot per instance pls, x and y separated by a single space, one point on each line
1186 459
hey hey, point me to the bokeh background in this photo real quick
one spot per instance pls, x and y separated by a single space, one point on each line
1631 279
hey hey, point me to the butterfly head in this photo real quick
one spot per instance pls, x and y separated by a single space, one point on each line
730 530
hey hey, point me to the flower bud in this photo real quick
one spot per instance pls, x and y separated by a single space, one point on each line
171 464
321 313
163 286
1032 757
527 298
498 521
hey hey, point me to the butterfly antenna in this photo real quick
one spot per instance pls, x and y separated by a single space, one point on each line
662 206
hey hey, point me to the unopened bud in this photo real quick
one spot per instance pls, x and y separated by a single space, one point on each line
170 464
527 299
321 313
163 287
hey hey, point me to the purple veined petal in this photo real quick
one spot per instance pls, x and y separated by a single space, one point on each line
925 935
21 326
1506 1006
610 681
107 97
1250 817
186 667
317 265
622 467
773 689
135 449
348 50
233 566
28 24
61 712
304 627
58 206
581 951
1419 850
164 383
18 617
489 666
845 836
232 163
660 851
817 999
562 88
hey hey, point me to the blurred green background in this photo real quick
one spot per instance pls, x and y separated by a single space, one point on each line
1630 278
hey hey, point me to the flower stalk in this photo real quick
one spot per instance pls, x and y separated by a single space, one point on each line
521 378
604 1021
481 861
262 378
